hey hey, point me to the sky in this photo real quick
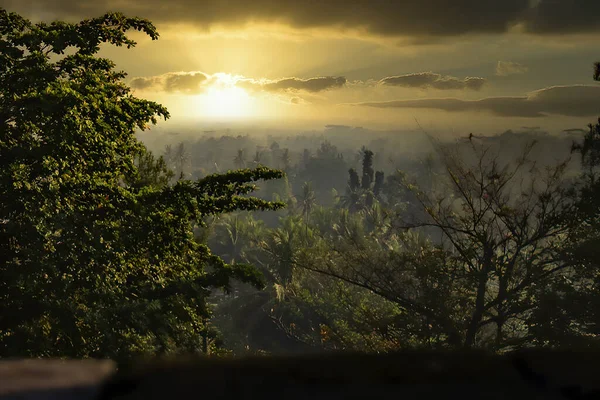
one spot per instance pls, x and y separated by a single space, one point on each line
449 66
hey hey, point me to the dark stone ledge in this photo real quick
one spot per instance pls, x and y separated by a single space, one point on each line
408 375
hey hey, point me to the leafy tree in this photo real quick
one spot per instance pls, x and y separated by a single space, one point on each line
327 159
568 315
97 252
149 171
496 234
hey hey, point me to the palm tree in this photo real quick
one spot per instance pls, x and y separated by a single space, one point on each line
240 160
257 157
180 158
281 246
285 159
353 199
169 155
234 237
307 201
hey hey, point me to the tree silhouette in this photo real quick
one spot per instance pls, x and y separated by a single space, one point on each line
568 315
307 201
367 170
181 158
285 159
305 157
257 158
379 181
240 159
495 252
362 193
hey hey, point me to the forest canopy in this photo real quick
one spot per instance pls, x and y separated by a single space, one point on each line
108 249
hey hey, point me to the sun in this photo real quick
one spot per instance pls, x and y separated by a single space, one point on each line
225 102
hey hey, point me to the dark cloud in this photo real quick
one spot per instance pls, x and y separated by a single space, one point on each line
432 80
416 18
312 85
144 83
563 16
185 82
572 101
506 68
176 82
196 82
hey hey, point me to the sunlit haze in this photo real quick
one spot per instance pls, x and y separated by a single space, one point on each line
458 67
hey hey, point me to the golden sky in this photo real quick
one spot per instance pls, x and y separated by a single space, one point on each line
484 65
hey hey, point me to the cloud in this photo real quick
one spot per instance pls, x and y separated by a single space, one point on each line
312 85
196 82
185 82
435 81
144 83
412 18
173 82
562 16
572 101
298 101
506 68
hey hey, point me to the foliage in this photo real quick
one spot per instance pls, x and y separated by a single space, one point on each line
466 271
97 252
568 315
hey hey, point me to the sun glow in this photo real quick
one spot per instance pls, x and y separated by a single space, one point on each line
226 101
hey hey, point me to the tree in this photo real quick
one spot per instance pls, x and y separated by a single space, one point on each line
285 159
361 194
97 253
353 181
181 157
379 182
367 168
568 315
305 157
466 274
240 159
255 160
149 171
352 200
307 201
233 237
